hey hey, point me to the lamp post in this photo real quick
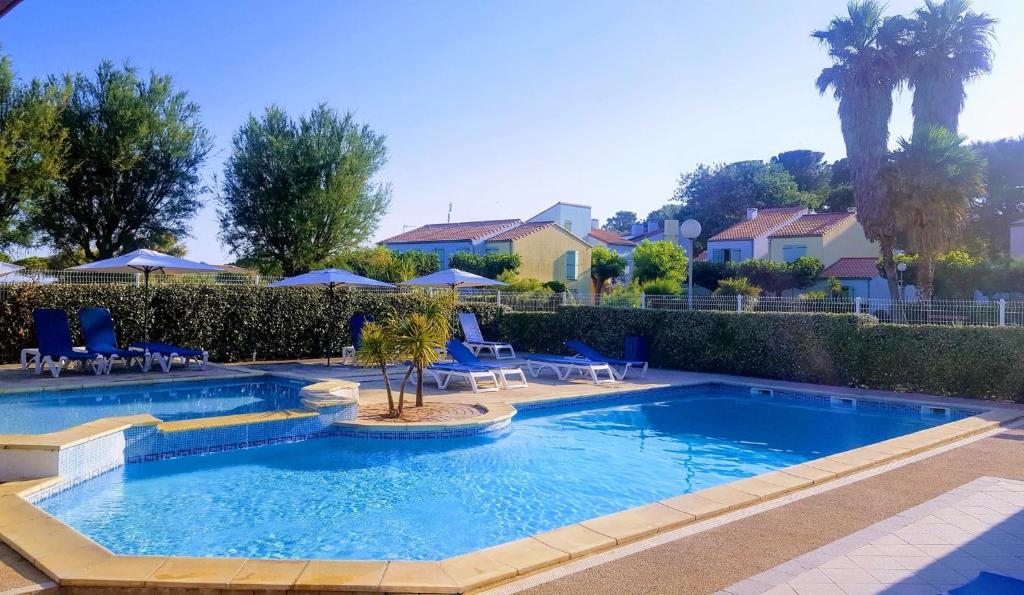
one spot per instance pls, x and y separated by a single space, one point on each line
901 268
690 229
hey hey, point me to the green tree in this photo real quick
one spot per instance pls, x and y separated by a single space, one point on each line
718 196
485 265
377 347
839 194
737 286
949 45
300 193
131 171
865 71
605 264
32 148
386 265
1002 203
659 260
808 168
418 338
804 272
621 222
932 180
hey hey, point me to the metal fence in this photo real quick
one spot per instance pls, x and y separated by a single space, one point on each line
946 312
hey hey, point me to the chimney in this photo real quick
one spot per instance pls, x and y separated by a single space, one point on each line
751 213
595 224
636 229
851 210
671 228
652 226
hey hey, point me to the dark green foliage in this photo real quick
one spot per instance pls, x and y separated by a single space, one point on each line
808 168
234 323
1003 204
836 349
556 286
621 222
489 265
301 192
770 276
131 176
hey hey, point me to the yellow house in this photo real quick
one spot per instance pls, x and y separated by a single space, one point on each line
548 252
825 236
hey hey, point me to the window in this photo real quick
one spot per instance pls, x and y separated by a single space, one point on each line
440 257
572 265
493 250
726 255
567 225
791 253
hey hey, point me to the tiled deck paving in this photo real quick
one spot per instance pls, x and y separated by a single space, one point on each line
503 562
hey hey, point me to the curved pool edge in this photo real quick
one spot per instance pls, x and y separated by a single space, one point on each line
74 560
497 416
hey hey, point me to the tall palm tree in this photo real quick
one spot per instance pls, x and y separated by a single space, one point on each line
949 46
865 51
932 180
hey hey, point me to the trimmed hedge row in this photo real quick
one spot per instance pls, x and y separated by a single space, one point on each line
234 323
847 350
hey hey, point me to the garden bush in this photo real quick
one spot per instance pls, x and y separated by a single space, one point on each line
234 323
836 349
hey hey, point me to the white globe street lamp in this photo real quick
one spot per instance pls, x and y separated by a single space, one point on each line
690 229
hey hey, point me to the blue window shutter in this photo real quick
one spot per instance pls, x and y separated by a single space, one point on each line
572 265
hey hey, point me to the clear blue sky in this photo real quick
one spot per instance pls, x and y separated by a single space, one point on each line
503 107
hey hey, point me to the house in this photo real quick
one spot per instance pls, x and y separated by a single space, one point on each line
549 252
574 218
749 238
445 239
859 277
1017 239
825 236
617 244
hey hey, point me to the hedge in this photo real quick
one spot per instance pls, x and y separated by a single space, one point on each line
234 323
835 349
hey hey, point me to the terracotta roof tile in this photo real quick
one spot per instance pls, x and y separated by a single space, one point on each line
608 237
520 231
815 224
852 268
767 221
466 231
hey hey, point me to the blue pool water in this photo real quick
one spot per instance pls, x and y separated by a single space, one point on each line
348 498
49 411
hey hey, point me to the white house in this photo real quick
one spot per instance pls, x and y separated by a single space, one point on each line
750 238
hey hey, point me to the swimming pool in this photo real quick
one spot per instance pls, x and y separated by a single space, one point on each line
49 411
349 498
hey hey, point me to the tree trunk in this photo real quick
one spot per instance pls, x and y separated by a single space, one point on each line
387 388
401 393
419 386
926 277
889 264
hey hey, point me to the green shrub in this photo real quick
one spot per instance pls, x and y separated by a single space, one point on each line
661 287
556 286
836 349
234 323
737 286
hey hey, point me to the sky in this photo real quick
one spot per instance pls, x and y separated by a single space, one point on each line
502 108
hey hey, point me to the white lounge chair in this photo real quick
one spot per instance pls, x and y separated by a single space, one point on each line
444 373
475 340
563 367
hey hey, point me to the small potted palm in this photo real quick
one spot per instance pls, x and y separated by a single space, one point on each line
378 348
419 339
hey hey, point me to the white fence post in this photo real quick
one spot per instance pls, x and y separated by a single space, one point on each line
1002 312
564 300
856 305
497 298
643 300
739 303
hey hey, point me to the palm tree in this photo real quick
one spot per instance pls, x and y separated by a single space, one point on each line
418 338
949 45
865 51
932 180
377 348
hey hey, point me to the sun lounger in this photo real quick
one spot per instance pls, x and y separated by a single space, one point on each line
98 328
594 355
443 374
357 322
563 367
461 354
475 340
164 355
53 336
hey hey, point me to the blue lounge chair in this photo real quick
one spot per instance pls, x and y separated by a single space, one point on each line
164 354
444 373
98 328
475 339
53 338
461 354
594 355
563 366
356 323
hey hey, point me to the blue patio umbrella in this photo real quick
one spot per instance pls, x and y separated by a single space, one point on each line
452 278
147 262
330 278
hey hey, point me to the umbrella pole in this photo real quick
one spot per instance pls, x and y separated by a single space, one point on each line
145 307
332 325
